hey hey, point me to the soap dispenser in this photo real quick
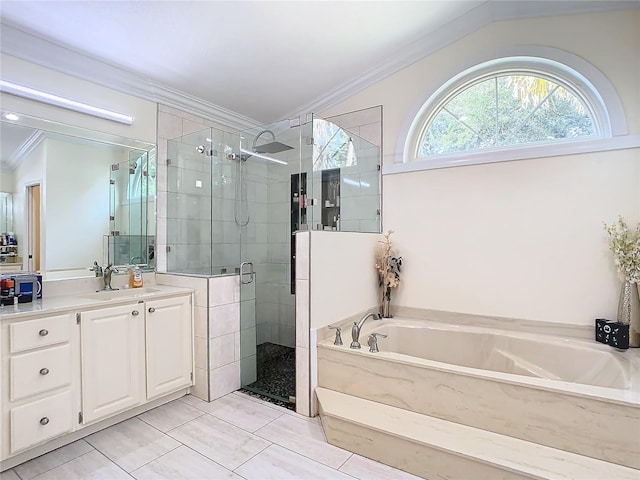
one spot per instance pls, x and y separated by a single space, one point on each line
136 279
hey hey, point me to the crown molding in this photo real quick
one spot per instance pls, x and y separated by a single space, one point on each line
197 106
39 51
486 13
29 145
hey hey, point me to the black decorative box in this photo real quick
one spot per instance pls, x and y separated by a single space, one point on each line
612 333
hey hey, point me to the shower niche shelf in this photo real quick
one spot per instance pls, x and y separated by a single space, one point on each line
298 217
331 199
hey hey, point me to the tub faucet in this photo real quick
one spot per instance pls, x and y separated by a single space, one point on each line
106 276
355 330
96 268
373 341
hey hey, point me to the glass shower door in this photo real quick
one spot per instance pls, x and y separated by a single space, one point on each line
268 164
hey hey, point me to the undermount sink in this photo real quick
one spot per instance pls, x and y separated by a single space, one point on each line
120 294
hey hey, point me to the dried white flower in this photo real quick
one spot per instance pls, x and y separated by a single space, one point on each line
625 246
388 266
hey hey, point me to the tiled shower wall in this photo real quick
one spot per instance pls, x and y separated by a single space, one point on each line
173 123
217 332
277 304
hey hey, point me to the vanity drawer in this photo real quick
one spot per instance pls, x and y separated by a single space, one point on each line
39 421
40 332
39 371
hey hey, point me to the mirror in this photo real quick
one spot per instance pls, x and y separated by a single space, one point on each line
74 200
6 212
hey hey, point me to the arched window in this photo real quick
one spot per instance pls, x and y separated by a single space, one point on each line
512 108
504 110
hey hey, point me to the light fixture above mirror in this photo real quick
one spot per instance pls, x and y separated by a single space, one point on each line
63 102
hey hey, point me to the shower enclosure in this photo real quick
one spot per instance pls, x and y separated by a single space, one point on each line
235 202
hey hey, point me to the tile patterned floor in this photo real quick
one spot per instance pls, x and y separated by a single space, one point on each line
235 437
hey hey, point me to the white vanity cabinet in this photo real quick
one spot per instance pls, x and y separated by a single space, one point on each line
169 343
40 381
113 345
88 367
133 353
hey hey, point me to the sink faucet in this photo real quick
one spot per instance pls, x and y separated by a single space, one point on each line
355 330
106 276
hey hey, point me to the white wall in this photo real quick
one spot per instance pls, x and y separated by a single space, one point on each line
520 239
7 181
35 76
342 275
77 213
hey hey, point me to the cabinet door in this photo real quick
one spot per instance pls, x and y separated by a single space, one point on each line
112 360
169 345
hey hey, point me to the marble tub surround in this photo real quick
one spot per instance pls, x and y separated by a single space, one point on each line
585 332
594 421
435 448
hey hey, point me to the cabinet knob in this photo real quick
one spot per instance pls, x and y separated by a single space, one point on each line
43 332
44 420
44 371
135 313
151 309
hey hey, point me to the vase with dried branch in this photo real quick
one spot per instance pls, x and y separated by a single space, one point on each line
624 243
388 265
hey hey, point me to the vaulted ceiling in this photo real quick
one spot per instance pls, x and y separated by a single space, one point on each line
251 61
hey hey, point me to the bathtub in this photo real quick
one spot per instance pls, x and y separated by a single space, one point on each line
538 356
571 394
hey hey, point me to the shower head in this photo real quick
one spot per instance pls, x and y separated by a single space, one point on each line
270 148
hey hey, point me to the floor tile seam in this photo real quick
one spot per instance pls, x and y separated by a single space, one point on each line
153 460
243 428
191 405
206 456
16 472
183 423
347 459
303 454
252 457
63 463
324 438
268 423
220 419
111 461
348 474
239 393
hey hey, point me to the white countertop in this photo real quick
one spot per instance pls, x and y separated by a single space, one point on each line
88 300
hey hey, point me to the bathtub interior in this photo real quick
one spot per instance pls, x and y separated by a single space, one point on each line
531 355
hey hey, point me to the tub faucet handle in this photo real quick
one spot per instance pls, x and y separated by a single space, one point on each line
338 339
373 341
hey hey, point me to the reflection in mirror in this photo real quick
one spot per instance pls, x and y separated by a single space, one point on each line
64 212
9 259
6 213
132 192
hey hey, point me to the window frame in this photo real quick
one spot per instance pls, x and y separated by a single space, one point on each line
590 85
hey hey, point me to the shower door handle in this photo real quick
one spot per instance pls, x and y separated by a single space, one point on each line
243 273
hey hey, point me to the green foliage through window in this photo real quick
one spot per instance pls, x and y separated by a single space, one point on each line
332 146
506 111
